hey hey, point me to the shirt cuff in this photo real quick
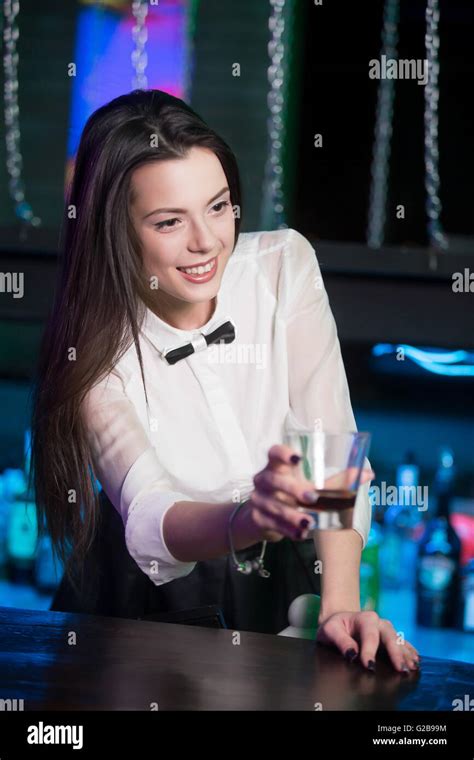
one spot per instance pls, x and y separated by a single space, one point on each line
144 535
362 513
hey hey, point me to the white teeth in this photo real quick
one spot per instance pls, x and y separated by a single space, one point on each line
198 270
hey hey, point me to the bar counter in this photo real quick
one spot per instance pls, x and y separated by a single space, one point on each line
62 661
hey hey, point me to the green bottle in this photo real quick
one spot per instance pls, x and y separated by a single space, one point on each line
370 570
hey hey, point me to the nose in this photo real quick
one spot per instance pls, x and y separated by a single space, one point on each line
201 238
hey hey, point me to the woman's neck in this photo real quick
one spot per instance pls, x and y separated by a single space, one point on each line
182 315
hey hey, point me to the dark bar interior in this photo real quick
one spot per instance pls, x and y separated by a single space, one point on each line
352 127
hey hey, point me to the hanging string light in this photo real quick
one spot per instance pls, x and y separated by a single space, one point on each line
383 131
189 36
14 159
140 37
273 211
436 235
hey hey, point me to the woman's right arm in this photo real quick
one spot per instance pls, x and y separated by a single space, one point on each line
166 532
195 528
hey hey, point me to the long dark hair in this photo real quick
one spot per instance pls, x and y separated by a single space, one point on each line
100 297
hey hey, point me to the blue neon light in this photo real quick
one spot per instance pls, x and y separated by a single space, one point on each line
437 361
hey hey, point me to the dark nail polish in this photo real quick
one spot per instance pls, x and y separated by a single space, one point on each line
371 666
304 523
295 458
350 655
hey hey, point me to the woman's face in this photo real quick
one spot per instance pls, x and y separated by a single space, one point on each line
183 215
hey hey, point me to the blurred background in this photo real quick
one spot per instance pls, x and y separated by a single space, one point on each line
336 137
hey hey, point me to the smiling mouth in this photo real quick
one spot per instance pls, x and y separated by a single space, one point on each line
200 270
196 266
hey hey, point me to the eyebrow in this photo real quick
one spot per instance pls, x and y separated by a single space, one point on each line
183 210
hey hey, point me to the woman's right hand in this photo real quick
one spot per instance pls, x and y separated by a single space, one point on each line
279 490
274 506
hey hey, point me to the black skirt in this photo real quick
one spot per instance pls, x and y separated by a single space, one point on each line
113 584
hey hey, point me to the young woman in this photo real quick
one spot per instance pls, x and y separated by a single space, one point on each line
153 262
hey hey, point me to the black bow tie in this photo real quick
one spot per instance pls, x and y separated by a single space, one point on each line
225 333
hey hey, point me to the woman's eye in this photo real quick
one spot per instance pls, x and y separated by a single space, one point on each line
168 223
219 206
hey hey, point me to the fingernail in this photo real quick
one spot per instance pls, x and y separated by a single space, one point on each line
416 663
304 523
301 534
371 666
295 458
350 655
311 496
405 670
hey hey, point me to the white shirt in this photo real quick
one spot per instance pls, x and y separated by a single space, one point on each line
213 416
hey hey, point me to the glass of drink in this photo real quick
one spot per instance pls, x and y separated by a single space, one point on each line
334 462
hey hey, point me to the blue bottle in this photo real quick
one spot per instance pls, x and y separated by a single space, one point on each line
439 557
402 527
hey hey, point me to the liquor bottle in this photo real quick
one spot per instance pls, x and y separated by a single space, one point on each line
466 598
4 520
48 569
21 539
402 529
22 533
370 570
439 556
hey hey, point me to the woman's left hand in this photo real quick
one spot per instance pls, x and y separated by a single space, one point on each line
361 634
